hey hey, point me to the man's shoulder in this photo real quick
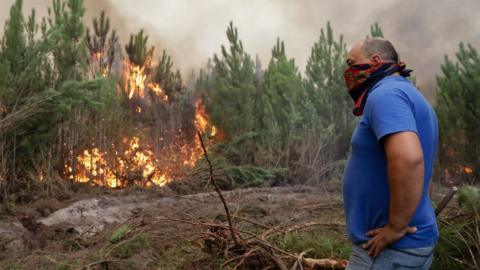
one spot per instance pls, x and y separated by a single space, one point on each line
393 87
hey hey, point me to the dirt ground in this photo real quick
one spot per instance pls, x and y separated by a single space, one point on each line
160 227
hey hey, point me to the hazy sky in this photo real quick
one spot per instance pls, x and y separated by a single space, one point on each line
193 30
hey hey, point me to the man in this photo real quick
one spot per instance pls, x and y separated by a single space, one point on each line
389 216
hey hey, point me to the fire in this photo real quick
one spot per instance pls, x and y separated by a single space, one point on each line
202 125
133 160
158 91
137 164
135 79
134 165
468 170
136 82
201 119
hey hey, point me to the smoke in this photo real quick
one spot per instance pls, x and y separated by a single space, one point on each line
192 31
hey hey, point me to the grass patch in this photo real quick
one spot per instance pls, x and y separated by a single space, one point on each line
459 244
8 205
131 247
14 266
119 234
185 255
318 243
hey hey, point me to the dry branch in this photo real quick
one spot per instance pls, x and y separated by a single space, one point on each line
217 189
445 200
324 263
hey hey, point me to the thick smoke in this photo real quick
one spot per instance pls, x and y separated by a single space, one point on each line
191 31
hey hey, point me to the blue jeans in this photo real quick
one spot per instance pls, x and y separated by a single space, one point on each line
397 259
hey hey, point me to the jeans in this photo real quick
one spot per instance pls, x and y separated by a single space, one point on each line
397 259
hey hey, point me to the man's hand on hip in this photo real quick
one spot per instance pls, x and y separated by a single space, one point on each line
383 237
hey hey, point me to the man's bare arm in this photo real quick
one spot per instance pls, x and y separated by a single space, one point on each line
405 177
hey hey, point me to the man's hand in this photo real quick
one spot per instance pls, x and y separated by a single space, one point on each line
383 237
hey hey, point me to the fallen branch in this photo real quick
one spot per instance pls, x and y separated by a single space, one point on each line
445 201
324 263
219 192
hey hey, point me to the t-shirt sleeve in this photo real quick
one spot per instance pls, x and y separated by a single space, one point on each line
391 113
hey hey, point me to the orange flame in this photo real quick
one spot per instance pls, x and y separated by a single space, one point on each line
138 164
201 120
134 164
135 82
158 91
134 79
468 170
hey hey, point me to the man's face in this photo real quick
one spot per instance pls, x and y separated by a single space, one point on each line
356 56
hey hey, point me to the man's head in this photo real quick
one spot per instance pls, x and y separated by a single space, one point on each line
369 61
372 51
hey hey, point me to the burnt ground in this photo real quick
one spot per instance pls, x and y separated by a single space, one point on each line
159 229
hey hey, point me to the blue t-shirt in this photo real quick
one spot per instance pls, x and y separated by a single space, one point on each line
394 105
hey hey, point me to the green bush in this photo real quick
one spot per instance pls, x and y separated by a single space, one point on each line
459 243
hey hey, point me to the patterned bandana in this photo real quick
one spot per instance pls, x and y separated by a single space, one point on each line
361 78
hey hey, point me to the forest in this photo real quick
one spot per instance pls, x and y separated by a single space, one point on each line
111 158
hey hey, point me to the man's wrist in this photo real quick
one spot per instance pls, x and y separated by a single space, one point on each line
396 227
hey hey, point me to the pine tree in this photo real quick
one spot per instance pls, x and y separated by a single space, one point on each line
70 54
169 79
283 118
138 52
233 88
14 40
281 98
100 46
458 109
325 84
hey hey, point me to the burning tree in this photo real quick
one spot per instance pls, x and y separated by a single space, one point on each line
158 138
100 46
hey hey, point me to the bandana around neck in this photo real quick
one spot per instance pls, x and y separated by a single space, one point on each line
361 78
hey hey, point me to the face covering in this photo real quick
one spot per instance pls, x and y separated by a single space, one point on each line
361 78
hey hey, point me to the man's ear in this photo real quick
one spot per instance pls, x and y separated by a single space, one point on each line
376 59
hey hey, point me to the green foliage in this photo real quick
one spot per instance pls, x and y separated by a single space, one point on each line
131 247
457 246
119 234
69 50
375 30
233 91
326 90
169 79
44 90
137 50
289 116
236 176
459 243
469 198
324 80
458 110
14 40
282 101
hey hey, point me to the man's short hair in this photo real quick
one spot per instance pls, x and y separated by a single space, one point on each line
381 46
